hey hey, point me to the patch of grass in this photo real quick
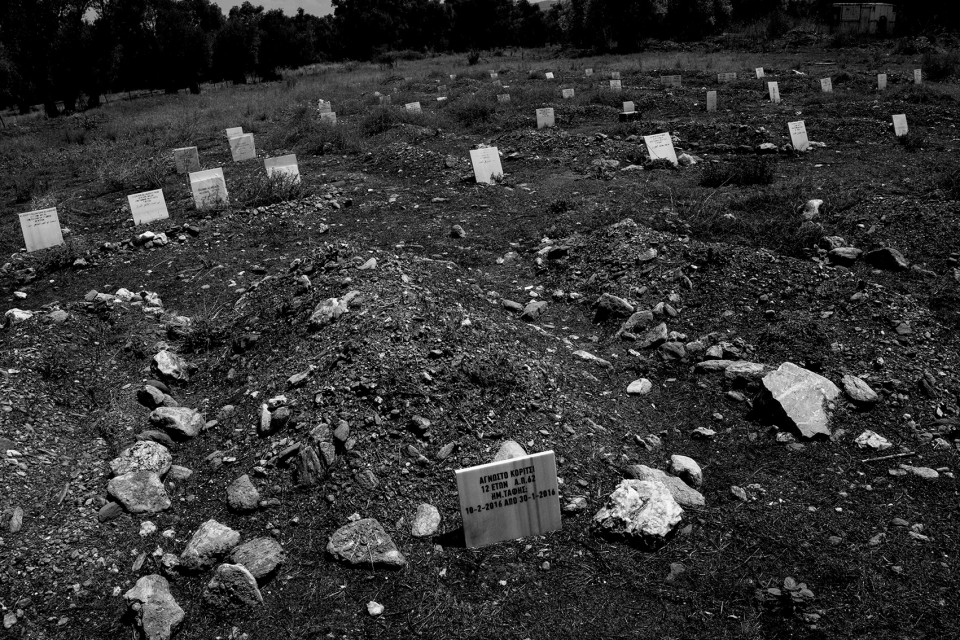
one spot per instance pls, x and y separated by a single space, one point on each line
912 141
756 171
306 133
473 111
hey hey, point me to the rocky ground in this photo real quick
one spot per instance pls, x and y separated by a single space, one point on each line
249 426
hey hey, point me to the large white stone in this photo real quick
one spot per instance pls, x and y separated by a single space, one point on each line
208 544
687 470
180 422
640 510
139 492
365 543
144 455
802 397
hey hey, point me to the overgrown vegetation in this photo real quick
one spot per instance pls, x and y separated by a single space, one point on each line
753 171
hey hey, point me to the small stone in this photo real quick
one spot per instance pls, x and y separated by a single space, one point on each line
242 495
609 305
703 433
575 504
844 255
426 521
178 473
872 440
261 557
799 398
109 511
375 608
676 570
886 258
16 520
157 436
508 451
139 492
859 391
170 366
654 337
687 470
370 264
921 472
144 455
157 614
640 387
589 357
456 231
147 528
533 310
232 585
209 543
739 493
365 543
685 495
180 422
641 510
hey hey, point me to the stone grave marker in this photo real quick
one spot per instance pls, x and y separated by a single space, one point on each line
660 146
208 187
711 101
881 81
186 159
629 107
567 94
760 73
549 75
511 499
234 131
486 165
545 117
917 76
774 89
588 72
616 85
148 206
242 147
503 97
324 106
826 85
328 117
629 113
724 78
900 124
413 107
282 166
41 229
798 135
671 81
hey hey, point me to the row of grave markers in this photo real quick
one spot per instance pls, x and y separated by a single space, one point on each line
41 229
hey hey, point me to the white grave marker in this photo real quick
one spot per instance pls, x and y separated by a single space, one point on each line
881 81
567 94
711 101
413 107
900 124
242 147
588 72
41 229
486 165
187 159
616 85
324 106
208 187
760 73
511 499
148 206
629 107
234 132
494 75
503 97
328 117
774 90
798 135
283 166
549 75
724 78
545 117
826 85
660 146
917 76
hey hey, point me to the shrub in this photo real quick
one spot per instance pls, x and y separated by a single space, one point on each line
473 58
306 133
472 111
263 190
941 65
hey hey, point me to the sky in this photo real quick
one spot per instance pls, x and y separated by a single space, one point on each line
316 7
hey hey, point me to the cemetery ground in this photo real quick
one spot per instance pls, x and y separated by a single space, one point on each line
721 252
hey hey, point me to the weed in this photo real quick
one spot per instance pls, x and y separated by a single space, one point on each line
263 190
472 111
756 171
950 183
912 141
306 133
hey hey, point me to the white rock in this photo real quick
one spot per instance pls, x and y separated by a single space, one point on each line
16 316
426 522
374 608
209 543
640 387
157 614
143 455
872 440
639 509
801 396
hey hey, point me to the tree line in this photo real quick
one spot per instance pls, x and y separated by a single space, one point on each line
71 52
